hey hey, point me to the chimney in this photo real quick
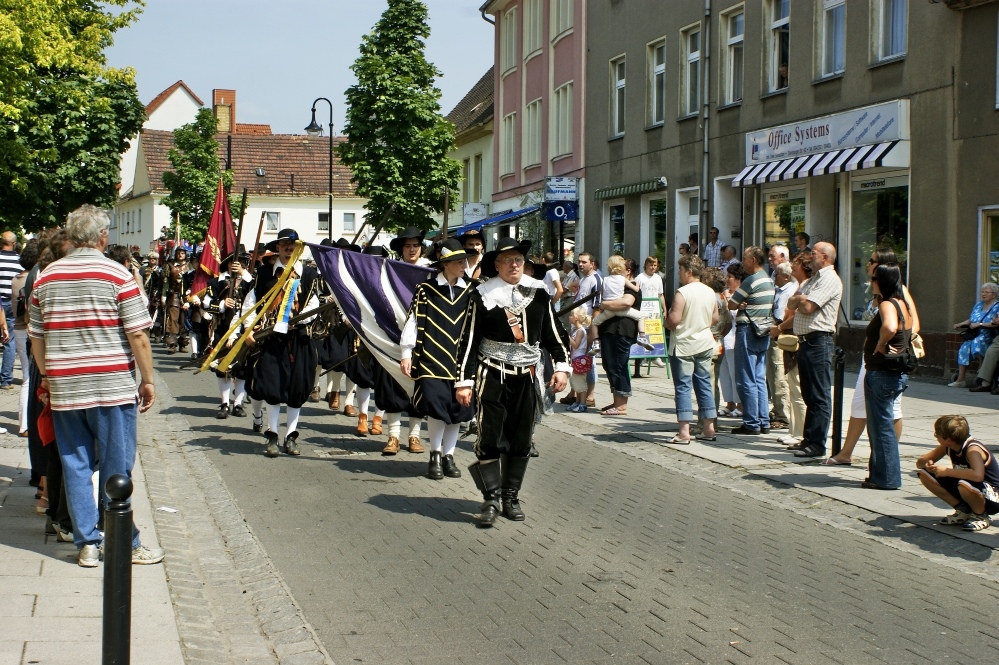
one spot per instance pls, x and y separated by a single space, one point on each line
224 108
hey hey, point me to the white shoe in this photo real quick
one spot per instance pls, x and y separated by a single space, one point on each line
90 556
956 384
143 555
658 362
789 440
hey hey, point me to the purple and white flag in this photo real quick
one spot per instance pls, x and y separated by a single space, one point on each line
374 294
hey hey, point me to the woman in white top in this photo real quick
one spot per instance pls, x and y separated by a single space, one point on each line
693 312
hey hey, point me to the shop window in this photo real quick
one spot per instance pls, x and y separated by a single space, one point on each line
833 37
779 44
617 76
783 215
732 62
879 218
657 83
990 243
616 214
658 227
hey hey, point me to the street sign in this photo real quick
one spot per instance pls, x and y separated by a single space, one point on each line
561 188
473 212
559 211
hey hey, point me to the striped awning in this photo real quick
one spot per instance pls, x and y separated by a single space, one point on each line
642 187
891 154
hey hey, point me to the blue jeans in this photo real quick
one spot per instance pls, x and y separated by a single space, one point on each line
614 352
9 349
697 370
751 376
815 378
881 389
103 435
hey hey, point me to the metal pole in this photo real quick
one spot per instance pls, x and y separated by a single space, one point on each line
117 572
839 377
329 219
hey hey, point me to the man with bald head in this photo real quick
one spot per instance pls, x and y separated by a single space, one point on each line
815 306
10 267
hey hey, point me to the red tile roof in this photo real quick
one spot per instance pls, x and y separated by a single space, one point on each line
284 158
162 97
250 128
476 108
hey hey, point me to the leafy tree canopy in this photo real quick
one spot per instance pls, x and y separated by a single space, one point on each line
397 139
194 180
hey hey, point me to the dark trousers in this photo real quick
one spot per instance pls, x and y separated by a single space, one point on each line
815 374
507 406
614 352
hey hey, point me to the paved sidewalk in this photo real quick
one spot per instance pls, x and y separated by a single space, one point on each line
652 417
50 608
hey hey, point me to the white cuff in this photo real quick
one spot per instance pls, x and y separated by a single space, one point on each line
563 367
464 384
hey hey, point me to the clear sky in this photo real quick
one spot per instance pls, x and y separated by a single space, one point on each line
281 55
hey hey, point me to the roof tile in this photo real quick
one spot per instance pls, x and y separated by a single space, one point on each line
476 108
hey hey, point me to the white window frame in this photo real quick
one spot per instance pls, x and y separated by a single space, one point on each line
508 138
733 44
477 178
532 134
561 17
353 221
880 11
775 25
688 58
533 27
832 35
320 226
272 221
618 95
656 83
560 134
508 40
138 223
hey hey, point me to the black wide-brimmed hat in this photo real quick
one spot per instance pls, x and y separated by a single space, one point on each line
283 234
450 250
343 243
376 250
488 263
396 243
240 255
471 234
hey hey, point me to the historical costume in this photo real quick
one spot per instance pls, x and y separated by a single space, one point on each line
152 284
510 320
430 355
221 306
284 372
174 303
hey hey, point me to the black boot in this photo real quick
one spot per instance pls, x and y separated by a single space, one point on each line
514 469
272 444
487 479
450 469
291 444
435 472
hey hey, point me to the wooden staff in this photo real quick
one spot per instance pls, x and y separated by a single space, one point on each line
256 245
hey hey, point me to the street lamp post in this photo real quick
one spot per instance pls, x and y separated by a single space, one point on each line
315 129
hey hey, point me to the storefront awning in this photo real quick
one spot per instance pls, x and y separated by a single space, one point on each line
891 154
642 187
495 219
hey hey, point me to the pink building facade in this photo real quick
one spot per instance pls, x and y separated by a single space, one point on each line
539 96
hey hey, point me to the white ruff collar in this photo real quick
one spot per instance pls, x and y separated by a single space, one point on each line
497 293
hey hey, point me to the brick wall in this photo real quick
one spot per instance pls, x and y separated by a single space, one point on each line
941 351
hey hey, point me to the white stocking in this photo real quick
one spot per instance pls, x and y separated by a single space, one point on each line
240 390
351 388
363 400
257 405
435 432
333 385
224 389
394 424
273 415
414 426
451 433
293 413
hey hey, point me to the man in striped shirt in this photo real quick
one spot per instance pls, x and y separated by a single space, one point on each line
88 327
754 301
10 267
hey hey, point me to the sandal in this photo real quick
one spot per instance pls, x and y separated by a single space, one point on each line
614 411
606 408
675 439
832 461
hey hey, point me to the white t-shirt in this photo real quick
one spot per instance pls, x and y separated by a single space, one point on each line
613 287
549 281
651 285
587 285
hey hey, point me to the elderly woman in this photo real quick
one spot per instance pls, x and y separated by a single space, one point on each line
801 271
980 324
691 347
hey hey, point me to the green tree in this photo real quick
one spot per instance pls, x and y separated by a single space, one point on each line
194 180
397 139
74 129
46 43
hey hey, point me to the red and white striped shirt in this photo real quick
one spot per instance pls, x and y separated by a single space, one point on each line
83 306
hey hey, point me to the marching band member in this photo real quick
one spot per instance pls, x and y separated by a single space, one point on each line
220 303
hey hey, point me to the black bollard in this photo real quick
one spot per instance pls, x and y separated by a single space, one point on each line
839 377
117 572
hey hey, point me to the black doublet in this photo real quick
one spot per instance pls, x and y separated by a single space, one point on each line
216 293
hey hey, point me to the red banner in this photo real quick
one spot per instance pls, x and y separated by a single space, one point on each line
219 243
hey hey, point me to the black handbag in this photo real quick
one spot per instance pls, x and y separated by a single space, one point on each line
904 361
970 333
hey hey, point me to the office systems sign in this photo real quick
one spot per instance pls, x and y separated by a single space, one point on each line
872 124
561 188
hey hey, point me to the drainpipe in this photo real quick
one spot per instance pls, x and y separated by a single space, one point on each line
705 117
482 11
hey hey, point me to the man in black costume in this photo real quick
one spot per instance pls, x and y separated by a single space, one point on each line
510 320
221 306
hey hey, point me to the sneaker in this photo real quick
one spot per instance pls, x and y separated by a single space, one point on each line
975 523
61 534
594 348
658 362
142 555
957 517
789 440
643 341
90 556
956 384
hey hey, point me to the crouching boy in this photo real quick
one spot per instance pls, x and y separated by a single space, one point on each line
971 484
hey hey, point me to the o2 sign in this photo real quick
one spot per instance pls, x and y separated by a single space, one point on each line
558 211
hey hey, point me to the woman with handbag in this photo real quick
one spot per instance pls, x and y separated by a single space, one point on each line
881 256
888 362
979 331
